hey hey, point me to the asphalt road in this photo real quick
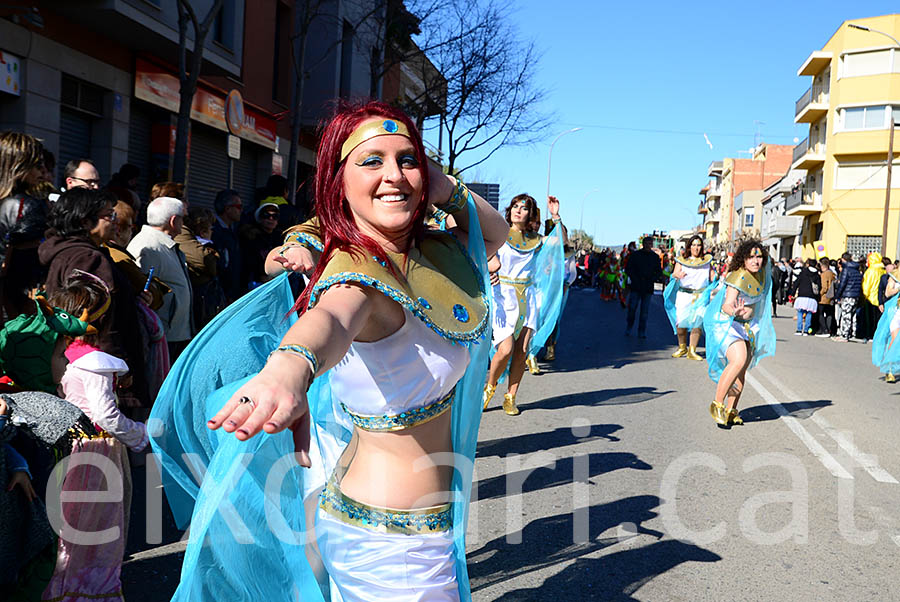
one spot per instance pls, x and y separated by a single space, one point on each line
644 498
615 484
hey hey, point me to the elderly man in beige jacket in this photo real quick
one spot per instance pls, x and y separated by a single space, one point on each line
155 247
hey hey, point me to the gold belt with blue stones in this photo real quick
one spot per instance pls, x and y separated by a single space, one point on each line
516 282
432 519
403 420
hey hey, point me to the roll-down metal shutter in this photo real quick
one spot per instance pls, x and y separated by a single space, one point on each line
245 172
208 165
140 128
74 139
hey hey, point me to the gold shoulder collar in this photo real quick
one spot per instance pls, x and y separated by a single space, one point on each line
522 242
894 276
307 234
694 262
745 282
439 284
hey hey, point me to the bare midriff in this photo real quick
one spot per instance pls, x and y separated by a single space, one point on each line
399 469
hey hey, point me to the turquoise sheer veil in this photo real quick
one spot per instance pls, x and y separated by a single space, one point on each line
549 273
694 319
717 324
885 352
247 525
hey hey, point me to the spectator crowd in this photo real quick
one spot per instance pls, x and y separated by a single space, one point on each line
101 289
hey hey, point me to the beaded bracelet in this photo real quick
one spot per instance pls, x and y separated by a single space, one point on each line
457 200
300 351
304 240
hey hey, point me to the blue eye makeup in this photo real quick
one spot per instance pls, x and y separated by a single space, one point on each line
370 161
409 160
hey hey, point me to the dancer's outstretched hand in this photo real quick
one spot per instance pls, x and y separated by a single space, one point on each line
271 401
553 206
296 258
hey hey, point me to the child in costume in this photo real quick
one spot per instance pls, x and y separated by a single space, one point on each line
739 330
684 297
527 297
90 568
885 347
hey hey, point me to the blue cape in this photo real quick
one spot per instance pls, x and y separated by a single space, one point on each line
717 324
694 319
247 525
885 351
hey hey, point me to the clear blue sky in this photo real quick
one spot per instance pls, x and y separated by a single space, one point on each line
680 66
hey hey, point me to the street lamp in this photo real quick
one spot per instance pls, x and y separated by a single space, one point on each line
890 153
550 157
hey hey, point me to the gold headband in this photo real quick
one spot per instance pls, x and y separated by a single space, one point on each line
372 129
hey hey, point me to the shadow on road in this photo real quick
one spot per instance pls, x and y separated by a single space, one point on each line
551 541
532 442
604 397
797 409
614 577
560 474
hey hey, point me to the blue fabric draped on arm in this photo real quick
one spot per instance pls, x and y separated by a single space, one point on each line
549 272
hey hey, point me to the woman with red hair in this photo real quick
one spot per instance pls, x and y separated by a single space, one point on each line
391 327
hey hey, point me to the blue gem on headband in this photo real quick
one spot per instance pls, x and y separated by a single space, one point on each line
390 126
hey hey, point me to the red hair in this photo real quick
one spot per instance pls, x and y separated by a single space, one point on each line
337 226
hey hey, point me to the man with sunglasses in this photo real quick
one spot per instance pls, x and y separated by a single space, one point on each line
82 173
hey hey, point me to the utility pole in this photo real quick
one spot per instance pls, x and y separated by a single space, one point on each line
887 188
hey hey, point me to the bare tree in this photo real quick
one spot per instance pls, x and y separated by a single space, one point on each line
188 75
492 99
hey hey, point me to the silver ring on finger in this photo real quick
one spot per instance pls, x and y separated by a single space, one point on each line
246 399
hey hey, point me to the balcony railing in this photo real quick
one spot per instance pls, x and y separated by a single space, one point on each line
803 196
801 149
813 94
715 167
782 226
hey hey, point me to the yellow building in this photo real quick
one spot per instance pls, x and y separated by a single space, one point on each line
854 93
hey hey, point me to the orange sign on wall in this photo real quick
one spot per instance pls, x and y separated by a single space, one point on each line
157 86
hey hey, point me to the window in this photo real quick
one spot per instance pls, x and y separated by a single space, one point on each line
281 64
748 218
864 176
867 63
346 59
222 30
860 246
78 94
864 118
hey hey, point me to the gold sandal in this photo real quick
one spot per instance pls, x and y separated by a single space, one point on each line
717 411
682 351
489 390
509 405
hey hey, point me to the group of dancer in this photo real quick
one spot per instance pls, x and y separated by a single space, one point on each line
362 396
365 394
732 310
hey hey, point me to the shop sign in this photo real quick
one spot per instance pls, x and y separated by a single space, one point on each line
10 74
157 86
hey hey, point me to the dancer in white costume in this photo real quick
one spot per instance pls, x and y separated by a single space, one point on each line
391 308
692 274
515 304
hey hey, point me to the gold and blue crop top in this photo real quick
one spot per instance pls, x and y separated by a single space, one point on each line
400 381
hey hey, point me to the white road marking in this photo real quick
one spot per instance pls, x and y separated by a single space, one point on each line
814 446
867 461
896 539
